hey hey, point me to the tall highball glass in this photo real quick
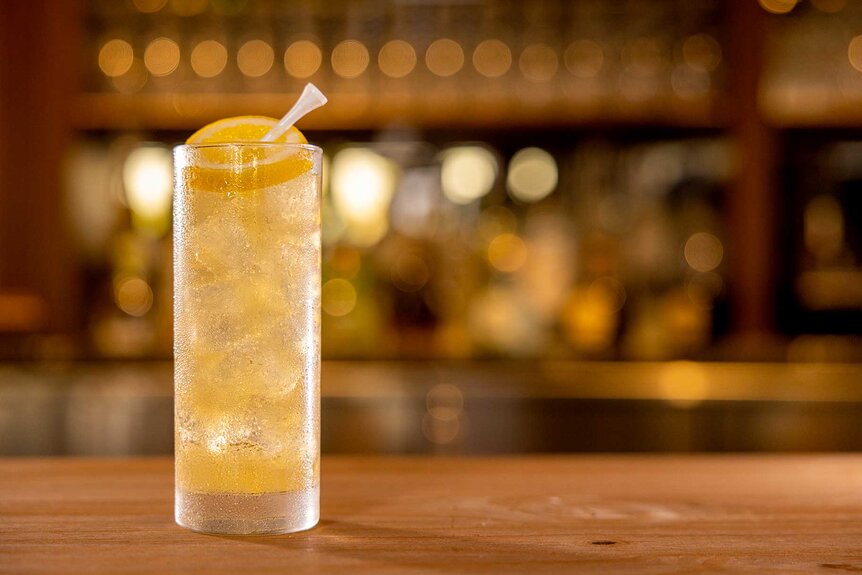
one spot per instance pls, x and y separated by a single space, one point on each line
247 337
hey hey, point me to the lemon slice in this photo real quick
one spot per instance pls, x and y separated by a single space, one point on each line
243 129
245 168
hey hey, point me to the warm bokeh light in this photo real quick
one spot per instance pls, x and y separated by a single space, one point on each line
778 6
116 57
133 295
149 6
363 183
591 314
350 59
255 58
507 253
584 58
338 297
538 63
302 59
209 58
444 401
492 58
444 57
703 252
701 52
532 175
148 182
397 58
188 7
854 52
162 56
467 173
683 383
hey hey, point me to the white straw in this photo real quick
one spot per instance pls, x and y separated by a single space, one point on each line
310 99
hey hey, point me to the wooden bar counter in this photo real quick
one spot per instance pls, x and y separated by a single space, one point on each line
538 514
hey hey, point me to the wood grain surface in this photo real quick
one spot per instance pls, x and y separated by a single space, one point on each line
547 514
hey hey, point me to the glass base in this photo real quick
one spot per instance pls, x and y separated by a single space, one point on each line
244 514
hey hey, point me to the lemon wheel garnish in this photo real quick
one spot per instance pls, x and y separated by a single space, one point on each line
245 168
243 129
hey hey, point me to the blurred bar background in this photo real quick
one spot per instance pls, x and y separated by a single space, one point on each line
548 225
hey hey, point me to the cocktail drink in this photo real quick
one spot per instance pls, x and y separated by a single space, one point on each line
247 325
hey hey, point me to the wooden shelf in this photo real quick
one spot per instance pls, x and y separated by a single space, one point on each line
357 112
812 114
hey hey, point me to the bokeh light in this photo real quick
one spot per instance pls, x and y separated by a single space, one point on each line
116 57
854 52
363 183
209 58
703 252
492 58
683 383
397 58
338 297
444 57
701 52
532 175
302 59
538 63
133 295
778 6
584 58
162 56
148 183
591 314
444 401
255 58
467 173
350 58
507 253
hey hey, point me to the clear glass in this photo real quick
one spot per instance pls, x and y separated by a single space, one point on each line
247 337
